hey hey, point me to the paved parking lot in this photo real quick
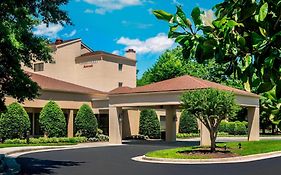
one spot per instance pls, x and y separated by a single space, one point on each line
116 160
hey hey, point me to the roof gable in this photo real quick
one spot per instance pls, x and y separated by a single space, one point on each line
182 83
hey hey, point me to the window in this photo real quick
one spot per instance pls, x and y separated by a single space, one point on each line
163 123
120 84
120 67
38 67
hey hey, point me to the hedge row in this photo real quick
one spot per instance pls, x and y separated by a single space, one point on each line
234 128
47 140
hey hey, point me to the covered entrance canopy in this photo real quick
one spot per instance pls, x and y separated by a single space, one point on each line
166 95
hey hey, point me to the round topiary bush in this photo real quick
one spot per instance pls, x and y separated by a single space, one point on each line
85 122
14 123
149 124
52 120
188 123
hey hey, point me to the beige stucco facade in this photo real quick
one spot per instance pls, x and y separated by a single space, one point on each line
170 103
98 71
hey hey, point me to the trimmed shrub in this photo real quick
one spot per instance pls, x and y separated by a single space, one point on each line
52 120
85 122
149 124
188 123
42 140
14 123
234 128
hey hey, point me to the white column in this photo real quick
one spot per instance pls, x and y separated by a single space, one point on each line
253 123
115 129
33 123
171 123
204 135
70 120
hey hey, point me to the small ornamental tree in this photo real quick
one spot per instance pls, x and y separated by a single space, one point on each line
188 123
149 124
14 123
52 120
86 122
210 106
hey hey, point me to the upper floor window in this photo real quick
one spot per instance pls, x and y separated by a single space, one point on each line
120 67
38 67
120 84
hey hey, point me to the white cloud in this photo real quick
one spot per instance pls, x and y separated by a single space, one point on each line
136 24
71 34
177 2
104 6
51 31
150 11
88 11
156 44
116 52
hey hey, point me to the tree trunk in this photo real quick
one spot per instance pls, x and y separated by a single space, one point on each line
273 129
213 141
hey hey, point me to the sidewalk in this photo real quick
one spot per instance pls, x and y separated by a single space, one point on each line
233 139
17 151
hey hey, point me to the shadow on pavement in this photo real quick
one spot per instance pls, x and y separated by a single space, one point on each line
161 143
39 166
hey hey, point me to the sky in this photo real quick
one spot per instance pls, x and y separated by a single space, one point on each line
117 25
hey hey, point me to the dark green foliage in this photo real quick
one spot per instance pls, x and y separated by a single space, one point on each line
210 106
188 123
233 128
172 64
245 39
85 122
43 140
149 124
52 120
20 46
14 123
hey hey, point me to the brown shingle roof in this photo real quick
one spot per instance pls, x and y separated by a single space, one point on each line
104 53
65 41
182 83
47 83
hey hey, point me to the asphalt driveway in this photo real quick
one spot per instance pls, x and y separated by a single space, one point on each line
116 160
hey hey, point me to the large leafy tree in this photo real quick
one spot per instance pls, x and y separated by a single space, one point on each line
172 64
247 39
210 106
19 46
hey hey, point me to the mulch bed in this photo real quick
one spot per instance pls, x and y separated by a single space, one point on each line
205 152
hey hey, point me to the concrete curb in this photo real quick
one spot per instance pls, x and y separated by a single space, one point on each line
239 159
18 151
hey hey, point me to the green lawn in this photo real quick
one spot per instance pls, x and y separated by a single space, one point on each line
5 145
248 148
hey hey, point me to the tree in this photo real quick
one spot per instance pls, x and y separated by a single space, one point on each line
19 46
86 122
247 39
172 64
14 123
188 123
149 124
210 106
52 120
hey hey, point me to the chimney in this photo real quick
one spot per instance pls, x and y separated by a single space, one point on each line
58 41
131 54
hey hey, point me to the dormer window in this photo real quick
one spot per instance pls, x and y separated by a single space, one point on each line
120 67
120 84
37 67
